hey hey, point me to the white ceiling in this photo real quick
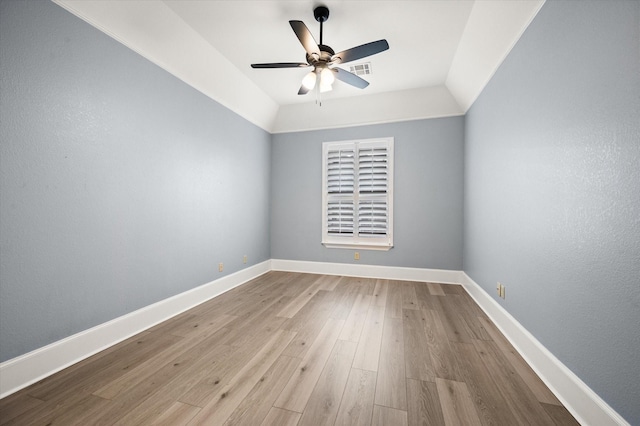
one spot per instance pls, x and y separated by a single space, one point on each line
441 55
423 37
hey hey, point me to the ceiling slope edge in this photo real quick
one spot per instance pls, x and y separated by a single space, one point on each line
489 36
405 105
180 51
493 29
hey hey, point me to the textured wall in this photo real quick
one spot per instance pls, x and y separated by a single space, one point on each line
552 190
428 194
120 185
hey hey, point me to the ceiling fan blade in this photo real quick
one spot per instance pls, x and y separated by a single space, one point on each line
280 65
306 38
303 90
350 78
360 52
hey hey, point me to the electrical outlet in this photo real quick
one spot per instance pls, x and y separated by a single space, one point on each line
220 267
500 289
244 259
356 256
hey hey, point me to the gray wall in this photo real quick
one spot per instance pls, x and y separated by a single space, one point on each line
552 191
120 185
428 194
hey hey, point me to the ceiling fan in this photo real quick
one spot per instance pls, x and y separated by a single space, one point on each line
324 60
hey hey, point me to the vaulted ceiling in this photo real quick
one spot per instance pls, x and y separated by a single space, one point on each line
441 55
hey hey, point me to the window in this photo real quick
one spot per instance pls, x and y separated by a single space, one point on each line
357 194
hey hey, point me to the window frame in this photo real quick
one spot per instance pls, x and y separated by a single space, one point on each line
355 240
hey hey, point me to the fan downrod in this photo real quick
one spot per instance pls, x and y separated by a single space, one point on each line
321 13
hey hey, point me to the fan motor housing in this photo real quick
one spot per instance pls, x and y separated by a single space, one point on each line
326 53
324 49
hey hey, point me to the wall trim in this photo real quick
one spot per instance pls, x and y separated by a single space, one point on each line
24 370
585 405
442 276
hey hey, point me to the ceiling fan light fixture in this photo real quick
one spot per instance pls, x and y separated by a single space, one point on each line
309 80
326 80
326 77
325 87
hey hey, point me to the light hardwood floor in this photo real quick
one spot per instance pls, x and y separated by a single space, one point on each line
302 349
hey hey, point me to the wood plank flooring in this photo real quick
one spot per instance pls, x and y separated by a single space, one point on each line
303 349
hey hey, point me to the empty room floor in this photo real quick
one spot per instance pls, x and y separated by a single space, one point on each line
304 349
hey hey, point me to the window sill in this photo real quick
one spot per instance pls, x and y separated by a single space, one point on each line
378 247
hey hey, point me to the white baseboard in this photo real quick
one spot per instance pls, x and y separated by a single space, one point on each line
27 369
369 271
585 405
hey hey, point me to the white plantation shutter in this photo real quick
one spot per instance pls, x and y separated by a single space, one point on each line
372 170
357 194
372 218
340 217
341 171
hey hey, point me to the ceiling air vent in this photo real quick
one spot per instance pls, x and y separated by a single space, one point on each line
361 69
